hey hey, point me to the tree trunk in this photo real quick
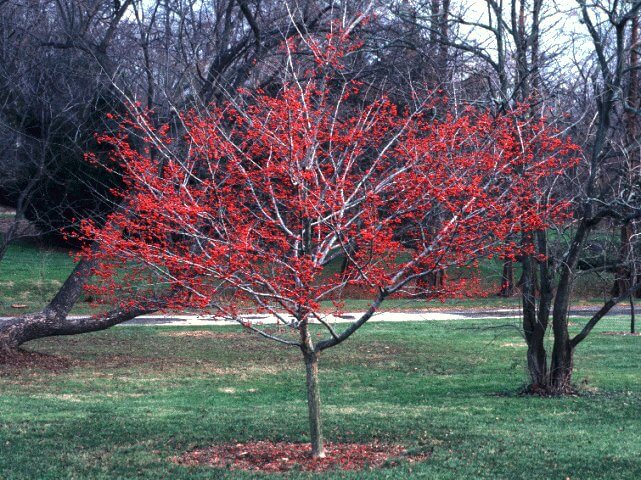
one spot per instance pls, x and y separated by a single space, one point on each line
535 322
20 330
344 264
562 352
53 321
624 272
631 122
533 329
431 283
507 279
562 366
314 404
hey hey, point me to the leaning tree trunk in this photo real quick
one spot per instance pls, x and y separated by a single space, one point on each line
53 321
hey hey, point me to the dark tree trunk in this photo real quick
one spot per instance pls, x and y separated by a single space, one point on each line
344 265
533 329
624 272
432 282
535 321
562 352
53 321
632 123
507 279
18 331
562 365
537 358
436 280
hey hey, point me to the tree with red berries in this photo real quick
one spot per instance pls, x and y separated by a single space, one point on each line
246 209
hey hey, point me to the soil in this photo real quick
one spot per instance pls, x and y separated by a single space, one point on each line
20 360
543 391
25 228
265 456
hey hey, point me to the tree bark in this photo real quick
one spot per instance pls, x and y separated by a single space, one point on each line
533 328
314 404
562 351
432 282
625 276
507 279
53 321
310 355
535 321
20 330
562 365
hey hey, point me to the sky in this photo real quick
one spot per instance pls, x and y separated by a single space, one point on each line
562 31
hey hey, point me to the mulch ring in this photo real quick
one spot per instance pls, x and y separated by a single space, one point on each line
267 456
624 334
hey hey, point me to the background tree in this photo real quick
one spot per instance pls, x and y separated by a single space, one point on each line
600 193
587 85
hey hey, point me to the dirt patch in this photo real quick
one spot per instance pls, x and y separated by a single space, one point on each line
25 227
274 457
623 334
545 391
21 360
244 338
174 366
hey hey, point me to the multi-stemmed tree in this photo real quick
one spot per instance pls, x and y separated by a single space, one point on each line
247 208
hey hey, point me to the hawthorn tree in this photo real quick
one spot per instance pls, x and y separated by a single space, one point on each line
245 210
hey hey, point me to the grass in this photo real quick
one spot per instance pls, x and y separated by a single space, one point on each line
135 396
31 275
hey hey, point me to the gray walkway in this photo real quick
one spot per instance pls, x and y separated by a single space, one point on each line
408 316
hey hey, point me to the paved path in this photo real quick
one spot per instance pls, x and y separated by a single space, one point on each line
409 316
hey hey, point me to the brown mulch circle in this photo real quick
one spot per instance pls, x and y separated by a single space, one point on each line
265 456
625 334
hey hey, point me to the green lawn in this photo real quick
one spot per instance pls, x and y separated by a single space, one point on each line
135 396
30 275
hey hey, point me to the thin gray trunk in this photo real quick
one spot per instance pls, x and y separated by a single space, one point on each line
314 404
310 355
